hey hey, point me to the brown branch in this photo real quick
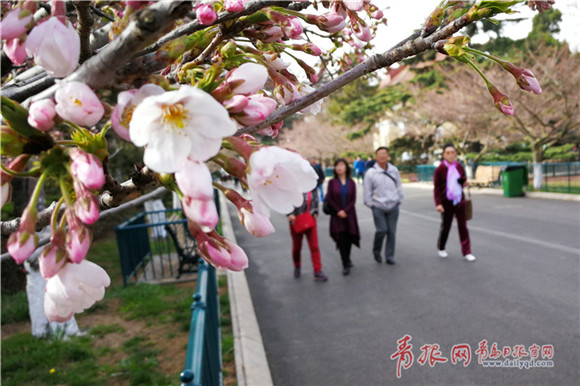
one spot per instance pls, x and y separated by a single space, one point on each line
85 26
411 46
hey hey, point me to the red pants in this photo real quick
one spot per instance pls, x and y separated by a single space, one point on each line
312 237
446 220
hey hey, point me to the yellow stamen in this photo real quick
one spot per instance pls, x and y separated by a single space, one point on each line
174 116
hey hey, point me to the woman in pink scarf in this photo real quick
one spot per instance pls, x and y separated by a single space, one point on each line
448 183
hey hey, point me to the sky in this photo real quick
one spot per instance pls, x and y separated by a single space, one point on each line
404 16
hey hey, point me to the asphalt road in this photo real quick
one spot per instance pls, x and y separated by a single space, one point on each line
523 290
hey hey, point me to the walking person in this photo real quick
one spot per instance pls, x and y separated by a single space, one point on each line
321 177
448 181
341 199
359 168
297 231
383 193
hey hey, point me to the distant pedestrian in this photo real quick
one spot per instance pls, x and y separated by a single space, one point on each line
383 193
321 177
341 198
310 205
448 181
369 163
359 168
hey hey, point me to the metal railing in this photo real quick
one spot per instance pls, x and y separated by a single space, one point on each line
146 251
561 177
203 362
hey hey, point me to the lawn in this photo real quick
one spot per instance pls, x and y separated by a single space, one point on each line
136 336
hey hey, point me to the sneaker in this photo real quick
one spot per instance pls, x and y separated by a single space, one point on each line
296 272
469 257
442 254
320 276
391 262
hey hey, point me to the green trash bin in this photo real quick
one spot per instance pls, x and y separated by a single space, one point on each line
512 180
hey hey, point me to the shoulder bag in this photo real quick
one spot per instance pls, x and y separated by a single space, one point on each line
304 221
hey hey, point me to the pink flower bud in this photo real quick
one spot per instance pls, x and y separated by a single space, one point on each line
76 102
238 258
332 22
354 5
249 78
15 23
234 5
16 51
87 169
195 181
21 245
236 104
51 260
377 14
276 62
292 28
218 257
257 110
201 212
527 81
206 14
364 34
272 131
41 114
87 208
55 46
271 34
257 224
501 101
78 239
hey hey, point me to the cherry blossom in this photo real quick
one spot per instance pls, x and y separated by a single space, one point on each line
127 101
76 102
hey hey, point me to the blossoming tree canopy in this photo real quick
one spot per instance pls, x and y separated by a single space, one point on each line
192 83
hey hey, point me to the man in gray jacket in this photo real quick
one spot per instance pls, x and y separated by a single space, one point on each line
383 193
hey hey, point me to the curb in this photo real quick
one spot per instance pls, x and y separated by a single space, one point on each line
251 361
499 192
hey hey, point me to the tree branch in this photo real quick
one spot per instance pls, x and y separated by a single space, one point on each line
85 25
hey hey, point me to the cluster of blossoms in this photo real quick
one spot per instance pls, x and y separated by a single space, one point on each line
219 85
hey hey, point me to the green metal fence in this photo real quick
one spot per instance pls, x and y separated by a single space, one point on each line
558 177
203 362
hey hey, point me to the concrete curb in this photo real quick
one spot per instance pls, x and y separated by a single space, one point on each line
499 192
251 361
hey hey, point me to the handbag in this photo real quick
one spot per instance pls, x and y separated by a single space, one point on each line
468 206
304 221
327 209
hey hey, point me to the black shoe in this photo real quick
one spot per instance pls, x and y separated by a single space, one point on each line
391 262
378 259
346 271
350 265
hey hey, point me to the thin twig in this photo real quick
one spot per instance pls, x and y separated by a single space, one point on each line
85 26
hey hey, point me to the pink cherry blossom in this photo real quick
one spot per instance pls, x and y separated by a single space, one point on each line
179 124
527 81
127 101
218 257
257 110
292 28
257 224
354 5
21 244
87 169
206 14
78 242
55 46
15 49
76 102
276 62
249 78
15 23
41 114
86 208
364 34
73 289
271 34
236 104
194 180
234 5
238 258
278 178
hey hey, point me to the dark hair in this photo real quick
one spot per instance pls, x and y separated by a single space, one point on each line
449 145
382 148
347 167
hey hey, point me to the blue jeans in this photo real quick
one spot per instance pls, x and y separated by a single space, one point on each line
385 225
320 188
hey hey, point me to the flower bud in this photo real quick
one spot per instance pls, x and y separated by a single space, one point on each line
78 238
87 208
238 258
202 212
218 257
51 260
87 169
55 46
234 5
15 49
41 114
257 224
24 241
206 14
15 23
257 110
249 78
236 104
500 100
194 180
76 102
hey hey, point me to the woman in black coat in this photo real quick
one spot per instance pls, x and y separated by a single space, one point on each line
341 199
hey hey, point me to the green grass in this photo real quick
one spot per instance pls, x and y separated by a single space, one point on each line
27 360
104 329
14 308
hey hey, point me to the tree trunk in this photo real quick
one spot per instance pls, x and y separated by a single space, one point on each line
538 157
